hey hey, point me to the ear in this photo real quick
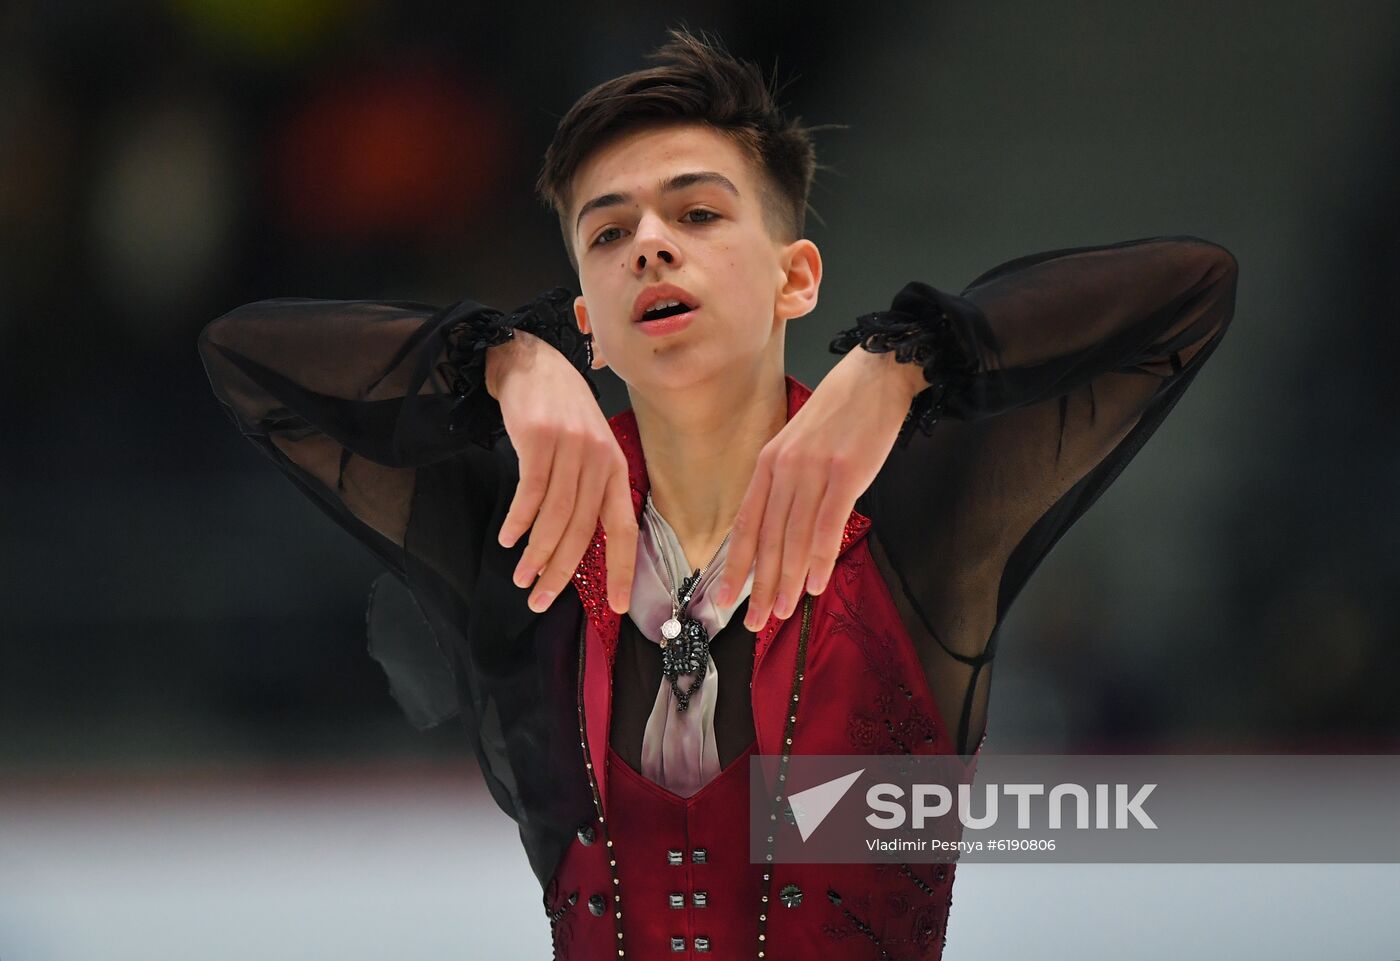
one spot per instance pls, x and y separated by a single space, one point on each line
586 326
801 263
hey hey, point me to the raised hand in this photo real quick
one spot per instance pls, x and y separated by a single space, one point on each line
807 479
572 472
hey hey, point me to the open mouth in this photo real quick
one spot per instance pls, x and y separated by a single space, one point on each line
664 309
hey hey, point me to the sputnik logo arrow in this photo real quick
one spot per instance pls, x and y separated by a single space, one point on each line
810 807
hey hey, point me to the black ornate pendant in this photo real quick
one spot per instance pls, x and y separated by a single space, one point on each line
686 653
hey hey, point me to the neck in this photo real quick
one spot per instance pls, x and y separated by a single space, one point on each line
701 445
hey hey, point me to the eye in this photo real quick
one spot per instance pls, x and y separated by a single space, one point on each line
600 241
709 215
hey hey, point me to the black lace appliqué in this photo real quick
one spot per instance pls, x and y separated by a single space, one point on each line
918 328
468 329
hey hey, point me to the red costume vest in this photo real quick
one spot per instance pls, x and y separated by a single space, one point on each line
655 875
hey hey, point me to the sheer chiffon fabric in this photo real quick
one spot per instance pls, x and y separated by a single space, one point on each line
1055 369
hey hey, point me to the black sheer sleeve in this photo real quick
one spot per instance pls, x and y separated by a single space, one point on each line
349 397
378 411
1047 374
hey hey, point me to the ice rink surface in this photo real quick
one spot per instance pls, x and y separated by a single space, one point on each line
421 866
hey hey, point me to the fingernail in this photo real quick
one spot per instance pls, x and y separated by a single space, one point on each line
722 595
814 584
780 606
538 602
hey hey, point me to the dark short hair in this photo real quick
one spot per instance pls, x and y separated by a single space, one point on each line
695 80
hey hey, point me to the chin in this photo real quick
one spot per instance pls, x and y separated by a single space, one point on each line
671 370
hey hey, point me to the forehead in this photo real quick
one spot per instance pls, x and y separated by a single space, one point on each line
638 160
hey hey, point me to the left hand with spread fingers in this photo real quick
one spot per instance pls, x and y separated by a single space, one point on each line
807 479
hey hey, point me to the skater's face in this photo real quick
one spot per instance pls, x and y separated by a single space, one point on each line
683 205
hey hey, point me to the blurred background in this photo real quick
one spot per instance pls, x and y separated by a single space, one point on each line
197 757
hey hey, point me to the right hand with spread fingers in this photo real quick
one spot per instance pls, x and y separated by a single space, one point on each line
572 472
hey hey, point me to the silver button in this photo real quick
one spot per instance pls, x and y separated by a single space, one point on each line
677 900
673 856
702 944
699 856
677 943
701 899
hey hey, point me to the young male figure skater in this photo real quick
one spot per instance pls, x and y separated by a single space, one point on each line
738 563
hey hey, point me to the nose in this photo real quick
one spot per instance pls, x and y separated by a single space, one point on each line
661 254
653 246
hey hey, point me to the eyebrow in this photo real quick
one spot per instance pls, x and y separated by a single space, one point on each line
671 184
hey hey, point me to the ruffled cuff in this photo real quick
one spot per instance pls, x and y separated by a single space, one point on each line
919 329
468 329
